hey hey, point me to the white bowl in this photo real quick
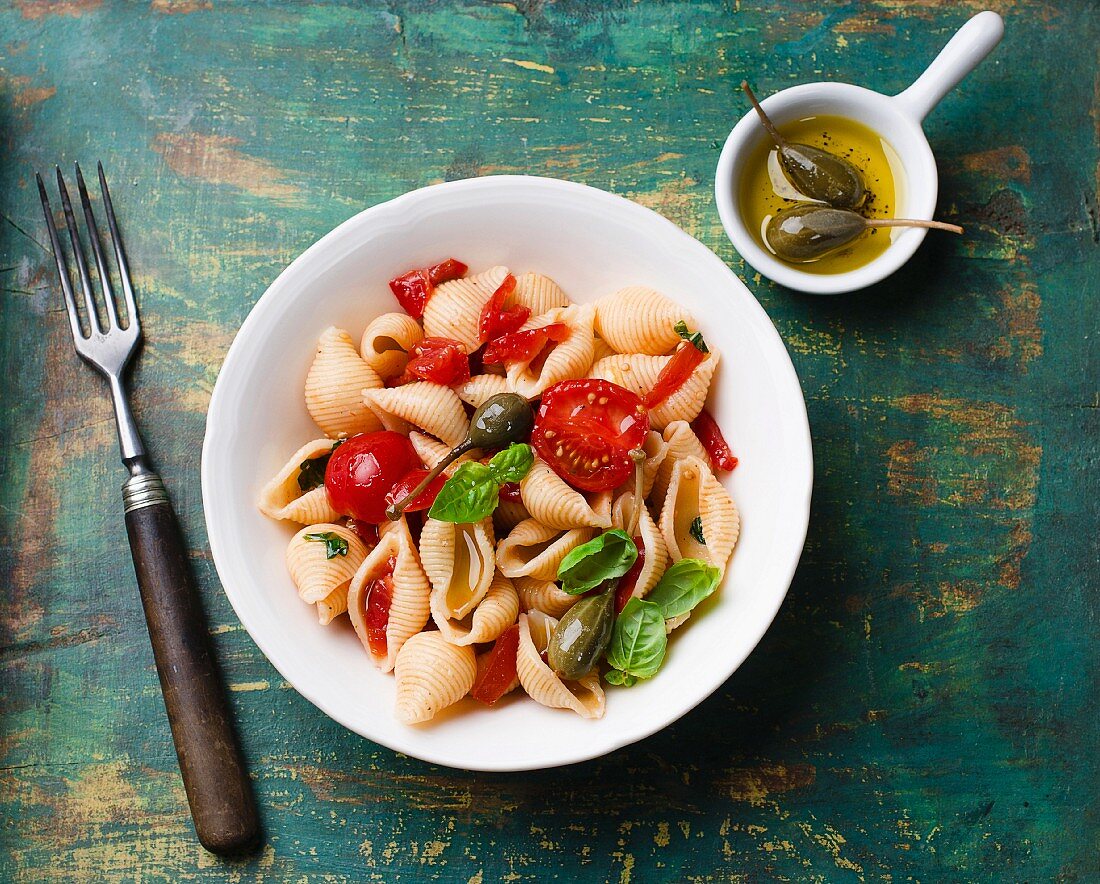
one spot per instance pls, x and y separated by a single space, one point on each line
896 118
592 243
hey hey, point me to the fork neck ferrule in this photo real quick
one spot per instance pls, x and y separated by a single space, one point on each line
130 445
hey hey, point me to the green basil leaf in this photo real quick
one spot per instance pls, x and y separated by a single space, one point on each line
335 545
311 472
603 558
693 338
696 530
469 495
683 586
638 640
616 676
513 463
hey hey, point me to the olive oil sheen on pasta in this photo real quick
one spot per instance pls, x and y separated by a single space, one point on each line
765 191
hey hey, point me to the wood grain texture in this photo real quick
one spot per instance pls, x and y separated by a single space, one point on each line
925 706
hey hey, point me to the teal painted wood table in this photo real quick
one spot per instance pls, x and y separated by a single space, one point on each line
925 707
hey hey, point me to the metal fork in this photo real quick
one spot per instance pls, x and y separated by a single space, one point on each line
214 777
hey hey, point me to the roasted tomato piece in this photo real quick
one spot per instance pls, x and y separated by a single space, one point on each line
499 670
495 320
509 491
424 499
523 346
585 429
365 531
378 596
629 580
440 360
675 373
362 471
413 289
710 434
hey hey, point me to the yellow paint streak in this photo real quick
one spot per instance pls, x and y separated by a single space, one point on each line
245 686
529 65
661 839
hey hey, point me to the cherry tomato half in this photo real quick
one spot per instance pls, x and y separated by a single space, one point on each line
523 346
499 669
495 320
675 374
362 471
710 434
585 430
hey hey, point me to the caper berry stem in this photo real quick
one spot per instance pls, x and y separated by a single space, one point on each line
638 456
910 222
394 510
764 118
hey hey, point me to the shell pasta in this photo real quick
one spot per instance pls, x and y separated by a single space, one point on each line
506 494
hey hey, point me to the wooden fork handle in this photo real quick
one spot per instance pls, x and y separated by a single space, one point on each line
218 789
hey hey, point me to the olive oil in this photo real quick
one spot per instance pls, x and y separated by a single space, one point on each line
765 190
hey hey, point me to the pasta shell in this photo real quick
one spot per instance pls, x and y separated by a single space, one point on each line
693 492
637 319
584 696
454 308
543 595
333 605
557 361
507 515
493 614
335 384
601 349
638 373
533 549
409 602
430 407
459 560
681 442
387 341
654 550
538 293
481 387
552 502
282 497
431 674
431 451
316 575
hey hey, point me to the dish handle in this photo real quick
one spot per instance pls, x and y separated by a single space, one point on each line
971 43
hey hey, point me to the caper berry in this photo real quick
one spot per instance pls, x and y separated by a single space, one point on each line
814 173
582 635
501 420
806 231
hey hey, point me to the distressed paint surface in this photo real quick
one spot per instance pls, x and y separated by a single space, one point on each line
926 705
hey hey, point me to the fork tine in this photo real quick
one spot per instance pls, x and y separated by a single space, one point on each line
78 254
59 258
97 251
120 252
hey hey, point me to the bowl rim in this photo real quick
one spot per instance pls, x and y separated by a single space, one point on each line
916 150
781 366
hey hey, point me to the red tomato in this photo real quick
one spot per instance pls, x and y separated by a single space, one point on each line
495 320
426 497
376 613
440 360
676 371
629 580
362 471
710 434
365 531
523 346
500 668
413 289
509 491
585 429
